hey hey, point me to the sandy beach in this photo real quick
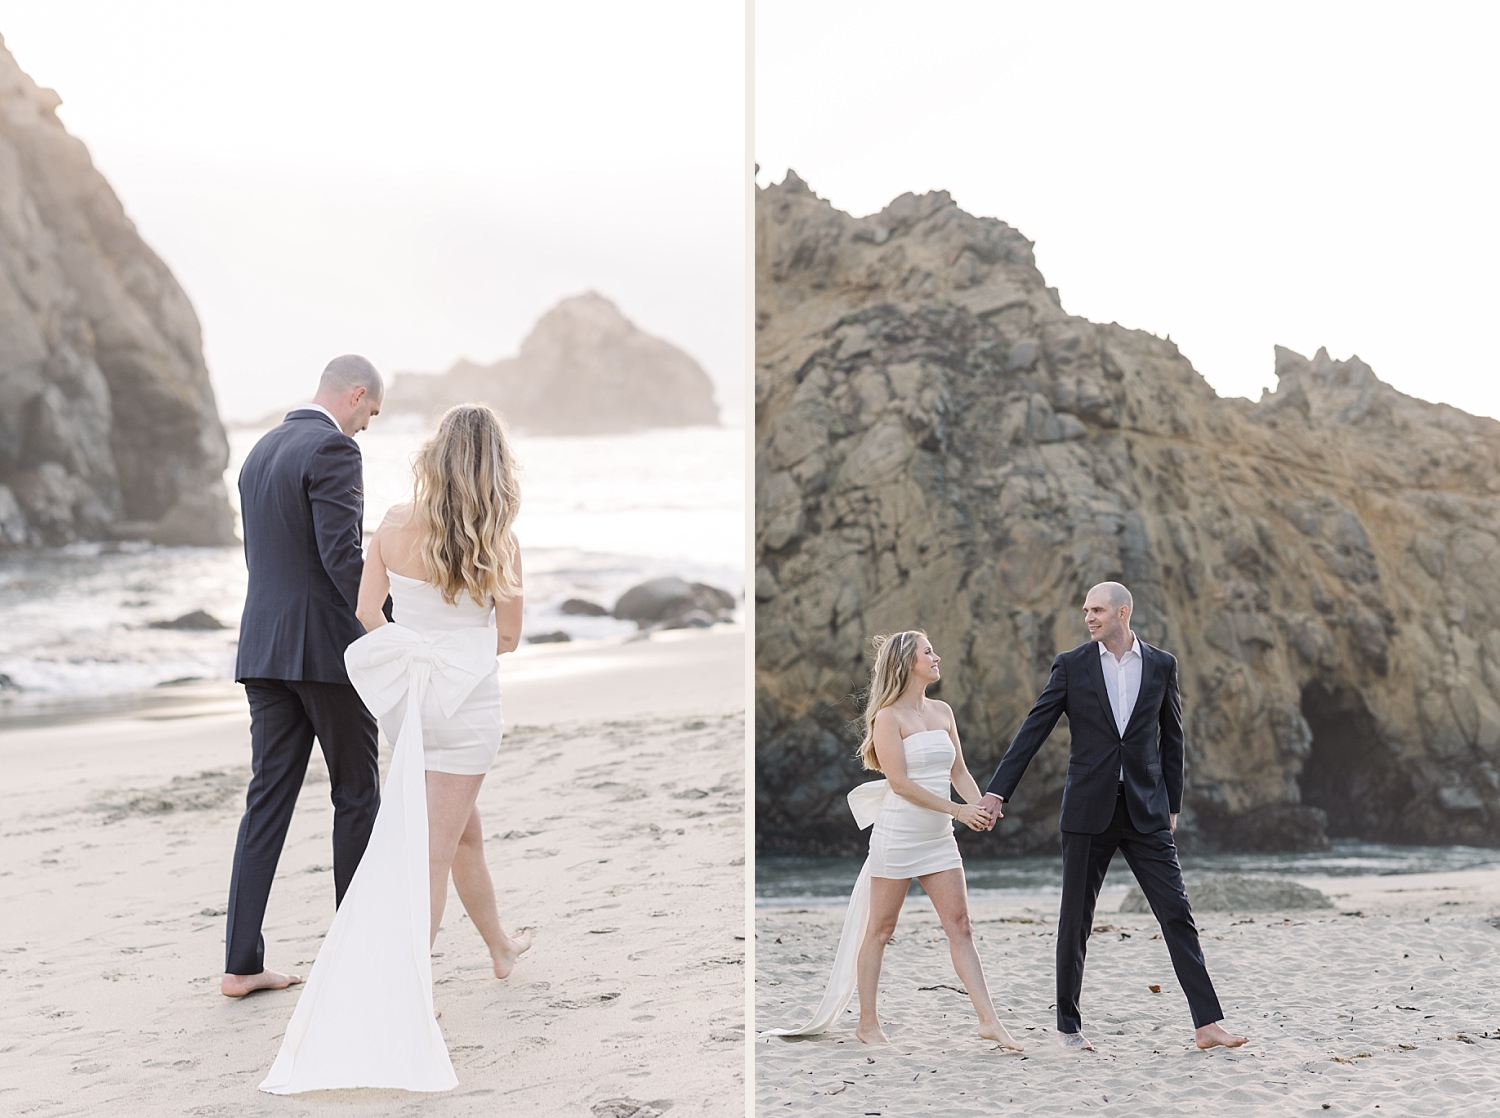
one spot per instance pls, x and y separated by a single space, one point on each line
615 827
1385 1004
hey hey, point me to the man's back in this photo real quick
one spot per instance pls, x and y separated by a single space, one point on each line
301 502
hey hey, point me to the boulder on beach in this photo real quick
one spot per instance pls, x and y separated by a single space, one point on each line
108 426
582 607
558 637
1238 892
675 603
198 620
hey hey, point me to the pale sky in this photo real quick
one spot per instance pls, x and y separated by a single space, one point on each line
1235 176
415 182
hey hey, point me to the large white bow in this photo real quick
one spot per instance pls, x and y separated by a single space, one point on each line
866 800
387 662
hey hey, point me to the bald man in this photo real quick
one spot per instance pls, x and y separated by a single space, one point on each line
1123 792
302 506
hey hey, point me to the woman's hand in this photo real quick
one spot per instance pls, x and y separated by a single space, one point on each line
974 816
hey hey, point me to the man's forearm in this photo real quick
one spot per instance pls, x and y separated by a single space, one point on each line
1034 731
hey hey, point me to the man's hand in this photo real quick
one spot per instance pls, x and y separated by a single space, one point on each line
1174 822
991 803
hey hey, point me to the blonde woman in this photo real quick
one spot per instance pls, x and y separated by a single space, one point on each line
913 740
451 565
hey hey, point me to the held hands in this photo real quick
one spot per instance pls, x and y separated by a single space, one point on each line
991 803
976 817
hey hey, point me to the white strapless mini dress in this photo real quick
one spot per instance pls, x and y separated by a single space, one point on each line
908 840
466 741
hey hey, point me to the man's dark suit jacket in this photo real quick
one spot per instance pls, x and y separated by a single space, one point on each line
1150 750
302 504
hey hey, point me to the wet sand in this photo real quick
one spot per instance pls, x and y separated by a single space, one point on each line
1387 1004
614 824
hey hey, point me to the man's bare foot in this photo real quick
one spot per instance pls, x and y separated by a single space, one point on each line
1074 1042
871 1034
1215 1034
505 958
238 985
997 1032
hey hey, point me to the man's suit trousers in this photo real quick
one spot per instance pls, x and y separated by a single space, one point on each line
285 716
1152 857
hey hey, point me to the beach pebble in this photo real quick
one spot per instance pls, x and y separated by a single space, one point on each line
625 1108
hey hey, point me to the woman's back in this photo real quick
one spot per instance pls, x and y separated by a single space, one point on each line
417 605
465 741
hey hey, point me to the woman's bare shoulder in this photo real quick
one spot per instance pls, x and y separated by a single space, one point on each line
397 516
399 543
397 524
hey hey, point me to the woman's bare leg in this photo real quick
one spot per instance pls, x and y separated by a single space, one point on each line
950 897
471 876
450 801
886 897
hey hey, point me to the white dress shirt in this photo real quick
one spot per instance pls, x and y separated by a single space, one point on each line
1122 679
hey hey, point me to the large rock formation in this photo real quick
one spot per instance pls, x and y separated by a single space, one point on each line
940 445
107 421
585 369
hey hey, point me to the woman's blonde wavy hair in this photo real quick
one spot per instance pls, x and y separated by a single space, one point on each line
894 656
466 500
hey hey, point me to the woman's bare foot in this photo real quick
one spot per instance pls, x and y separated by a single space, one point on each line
238 985
515 946
998 1033
1214 1034
871 1034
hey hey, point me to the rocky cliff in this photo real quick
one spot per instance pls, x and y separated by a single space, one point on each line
940 445
585 369
108 426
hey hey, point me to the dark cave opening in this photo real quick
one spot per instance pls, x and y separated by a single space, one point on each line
1349 772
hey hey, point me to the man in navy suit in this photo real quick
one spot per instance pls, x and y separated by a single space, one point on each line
1123 792
302 507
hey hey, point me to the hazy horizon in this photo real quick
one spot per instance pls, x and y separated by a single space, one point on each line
1304 177
419 187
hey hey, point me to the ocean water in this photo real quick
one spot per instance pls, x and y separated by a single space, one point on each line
815 881
599 514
